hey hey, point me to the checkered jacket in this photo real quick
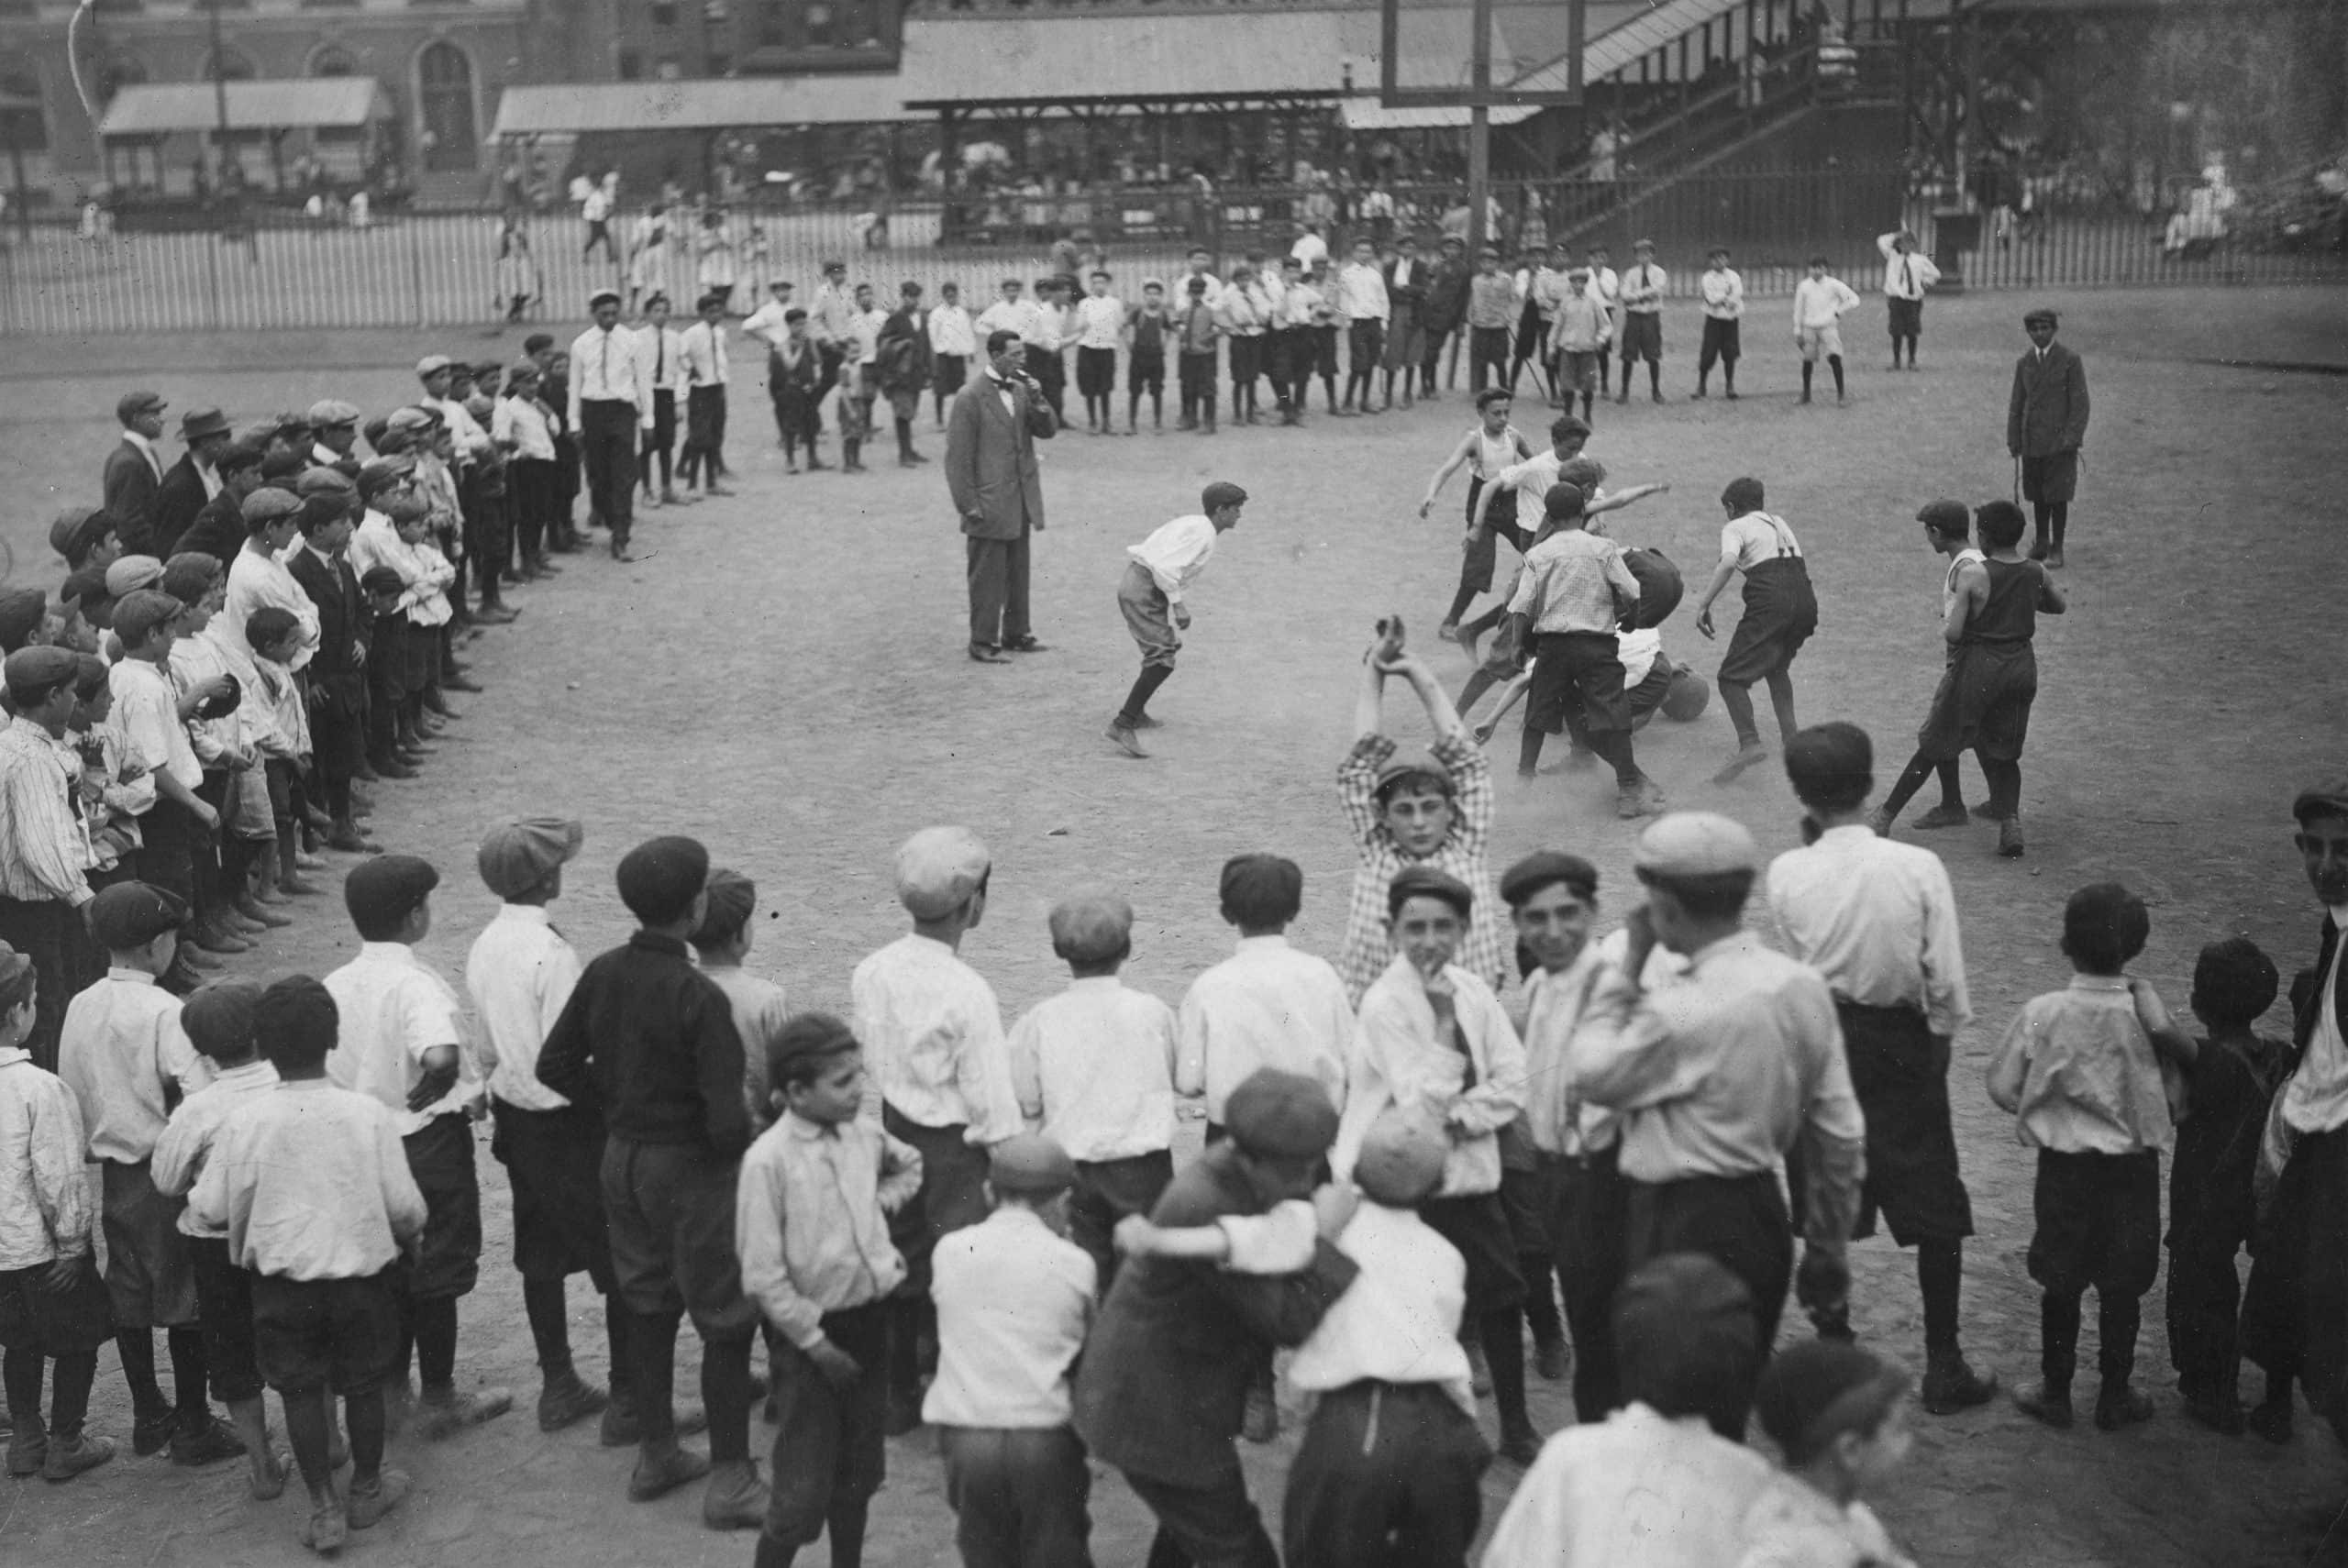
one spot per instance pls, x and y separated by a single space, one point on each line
1463 854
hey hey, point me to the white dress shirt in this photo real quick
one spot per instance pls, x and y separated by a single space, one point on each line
2316 1098
1792 1524
521 423
1643 289
1177 552
611 367
468 438
1905 276
1819 302
145 448
181 1152
932 1033
45 1208
1100 321
1877 919
1724 292
811 1219
952 333
1756 537
258 580
1094 1066
1014 1304
520 972
147 717
395 1007
767 324
2081 1076
665 346
1022 315
309 1182
1399 1322
1637 1490
1401 1061
121 1044
1361 293
1267 1005
708 362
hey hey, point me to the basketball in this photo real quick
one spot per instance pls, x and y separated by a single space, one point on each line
1689 696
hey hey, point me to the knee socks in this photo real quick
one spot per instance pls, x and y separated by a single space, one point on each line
1834 363
1145 685
1540 1298
844 1525
652 1375
1504 1353
542 1303
1459 602
905 438
725 1395
2059 514
1615 748
1782 698
434 1324
1738 699
1939 1272
2058 1332
2118 1318
137 1349
616 1346
2005 786
189 1375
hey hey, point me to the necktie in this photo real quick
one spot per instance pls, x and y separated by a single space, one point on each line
1907 276
661 359
604 364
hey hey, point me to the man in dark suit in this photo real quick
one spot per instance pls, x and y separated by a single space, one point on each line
336 673
997 491
134 469
905 367
2046 423
2295 1314
1161 1387
1407 278
190 482
1445 310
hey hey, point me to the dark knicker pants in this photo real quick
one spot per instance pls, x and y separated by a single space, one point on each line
607 438
998 577
1019 1495
1591 1234
1740 1222
1212 1525
1389 1476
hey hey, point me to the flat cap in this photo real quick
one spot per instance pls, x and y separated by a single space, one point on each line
269 504
132 914
1423 769
379 474
129 405
34 671
281 462
383 579
937 870
1281 1116
522 370
433 364
139 612
190 575
328 414
241 454
810 1035
22 610
129 573
2042 315
255 438
198 422
600 295
1402 1158
1695 843
1543 866
91 674
296 1012
1421 880
1031 1164
85 586
488 367
515 856
2328 797
217 1016
67 524
732 897
1091 927
660 879
385 889
412 418
319 480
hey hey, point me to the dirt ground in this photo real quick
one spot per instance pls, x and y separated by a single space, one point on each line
784 677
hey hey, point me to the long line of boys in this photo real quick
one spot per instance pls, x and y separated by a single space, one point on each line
1672 1073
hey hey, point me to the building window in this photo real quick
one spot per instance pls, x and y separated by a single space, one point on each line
631 65
22 122
774 24
333 60
664 13
229 65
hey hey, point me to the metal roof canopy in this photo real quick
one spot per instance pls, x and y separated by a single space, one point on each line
1623 46
1228 58
1369 114
714 105
331 102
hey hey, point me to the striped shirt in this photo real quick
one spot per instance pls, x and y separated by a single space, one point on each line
42 847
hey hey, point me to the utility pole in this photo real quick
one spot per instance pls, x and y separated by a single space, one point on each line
1480 125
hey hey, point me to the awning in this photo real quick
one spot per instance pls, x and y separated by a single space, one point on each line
717 105
1369 114
340 103
1618 47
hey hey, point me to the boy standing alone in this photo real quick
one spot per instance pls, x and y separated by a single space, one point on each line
1724 292
1150 596
1819 303
2046 423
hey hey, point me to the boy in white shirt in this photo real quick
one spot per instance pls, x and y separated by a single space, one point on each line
1723 294
1100 324
1361 298
953 344
1948 532
1820 301
1151 598
1435 1042
1094 1071
664 350
524 427
1015 1300
1907 274
1267 1005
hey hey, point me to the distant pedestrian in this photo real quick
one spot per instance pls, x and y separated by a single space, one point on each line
2046 423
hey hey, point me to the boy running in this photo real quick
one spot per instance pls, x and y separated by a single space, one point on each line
1162 567
1780 612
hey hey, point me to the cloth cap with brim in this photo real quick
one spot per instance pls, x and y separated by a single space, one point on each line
86 586
1813 1392
600 297
281 463
937 870
68 524
1695 843
412 419
22 610
297 1012
270 504
1031 1166
32 673
1280 1116
433 364
523 370
94 527
380 474
732 897
1091 927
660 879
381 892
332 413
1421 880
517 857
130 406
190 575
127 915
217 1017
242 453
1402 1158
91 675
809 1035
383 579
2327 798
198 422
1426 768
2041 316
137 614
257 438
126 574
1684 1311
315 481
714 297
1543 866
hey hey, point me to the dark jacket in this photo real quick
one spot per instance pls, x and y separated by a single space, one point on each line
2048 411
991 469
338 678
177 501
904 351
1163 1382
131 486
1447 302
2306 1000
218 530
1413 294
649 1040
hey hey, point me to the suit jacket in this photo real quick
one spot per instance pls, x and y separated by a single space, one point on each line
2048 411
904 351
130 487
1447 302
991 468
1163 1382
338 678
218 530
1413 294
177 501
2306 1000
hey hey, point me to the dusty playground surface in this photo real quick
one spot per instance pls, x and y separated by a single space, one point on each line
784 677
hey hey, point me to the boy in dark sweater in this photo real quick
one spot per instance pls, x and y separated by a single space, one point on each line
649 1041
2229 1086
